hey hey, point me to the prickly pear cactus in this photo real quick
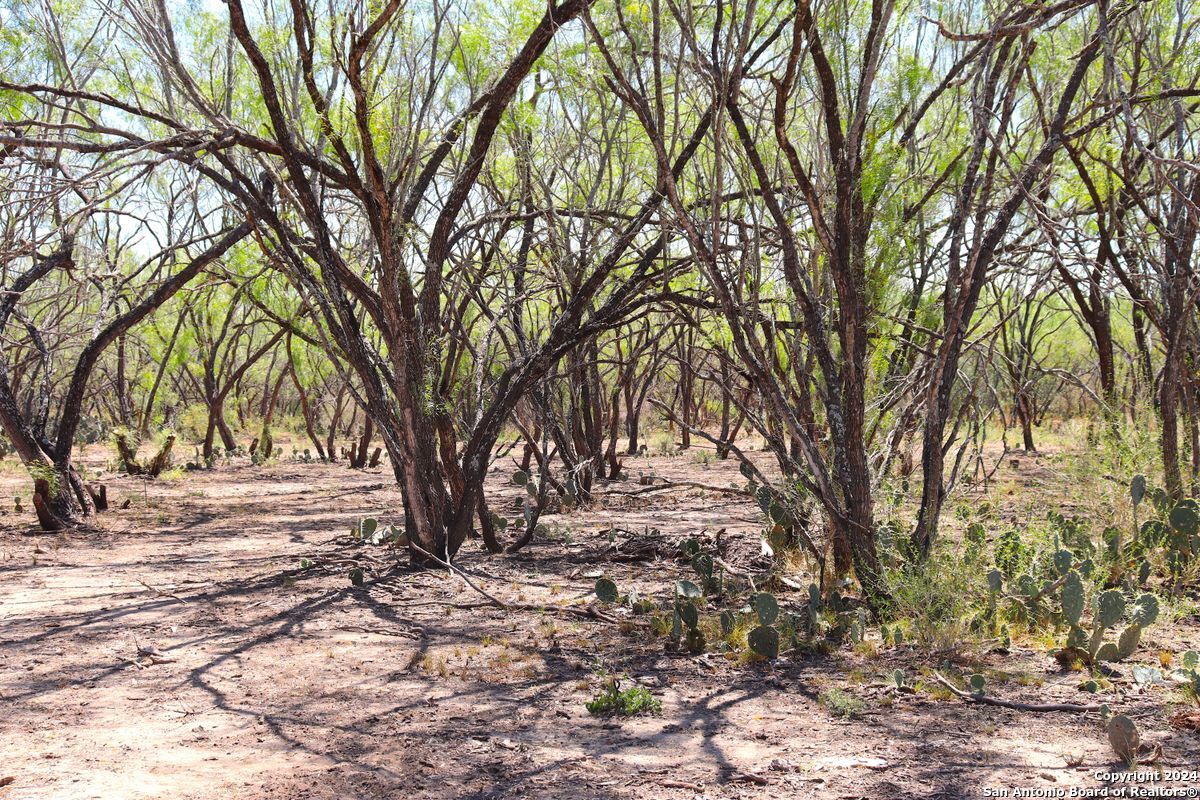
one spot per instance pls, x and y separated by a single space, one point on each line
1143 613
1109 608
1107 611
766 607
1125 738
1185 517
1137 489
606 590
764 640
1073 598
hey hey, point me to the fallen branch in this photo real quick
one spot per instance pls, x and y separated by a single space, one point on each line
1013 704
494 601
380 631
161 593
666 484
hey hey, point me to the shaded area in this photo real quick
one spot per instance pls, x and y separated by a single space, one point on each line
288 683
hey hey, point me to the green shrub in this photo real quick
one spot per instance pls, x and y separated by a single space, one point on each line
613 700
938 599
842 704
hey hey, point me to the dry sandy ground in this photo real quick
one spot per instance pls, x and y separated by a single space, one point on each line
273 682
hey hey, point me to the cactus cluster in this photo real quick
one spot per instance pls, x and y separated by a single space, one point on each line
685 617
305 456
712 578
764 639
787 510
369 531
1108 609
1172 528
1051 587
834 620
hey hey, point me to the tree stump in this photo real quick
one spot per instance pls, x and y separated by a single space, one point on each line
41 505
162 458
128 455
99 493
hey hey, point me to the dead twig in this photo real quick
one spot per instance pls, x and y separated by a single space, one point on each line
161 593
380 631
500 604
667 484
1013 704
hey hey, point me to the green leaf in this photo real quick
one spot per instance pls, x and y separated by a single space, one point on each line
687 589
1137 489
606 591
1185 518
1145 610
1110 607
764 640
689 615
1063 560
766 607
1072 598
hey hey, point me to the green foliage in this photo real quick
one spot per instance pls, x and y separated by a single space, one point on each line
1010 554
606 591
46 472
1108 609
764 640
613 700
938 599
1169 536
1188 674
842 703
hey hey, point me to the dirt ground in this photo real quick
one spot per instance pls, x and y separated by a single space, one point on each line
267 681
